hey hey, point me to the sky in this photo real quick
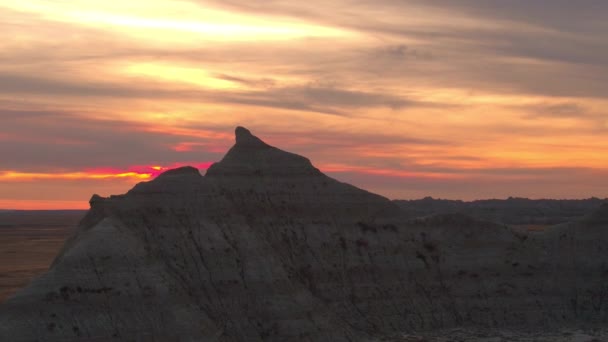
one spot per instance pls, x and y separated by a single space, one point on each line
457 99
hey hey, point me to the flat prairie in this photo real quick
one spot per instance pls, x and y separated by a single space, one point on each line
29 241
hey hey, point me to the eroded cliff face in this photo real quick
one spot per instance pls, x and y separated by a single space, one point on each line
266 247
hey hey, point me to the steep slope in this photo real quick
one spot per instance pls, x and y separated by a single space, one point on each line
266 247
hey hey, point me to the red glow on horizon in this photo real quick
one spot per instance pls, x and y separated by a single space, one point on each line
131 175
149 171
99 173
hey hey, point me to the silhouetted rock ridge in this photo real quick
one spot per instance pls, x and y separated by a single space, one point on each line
265 247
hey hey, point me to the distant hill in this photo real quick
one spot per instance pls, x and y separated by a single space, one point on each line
513 211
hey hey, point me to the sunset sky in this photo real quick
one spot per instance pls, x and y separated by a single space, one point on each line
452 99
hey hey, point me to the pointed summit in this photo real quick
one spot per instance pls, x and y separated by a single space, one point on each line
244 138
241 132
251 156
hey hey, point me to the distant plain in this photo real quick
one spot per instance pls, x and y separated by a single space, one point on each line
29 242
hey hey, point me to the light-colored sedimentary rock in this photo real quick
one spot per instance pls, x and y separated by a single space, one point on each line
266 247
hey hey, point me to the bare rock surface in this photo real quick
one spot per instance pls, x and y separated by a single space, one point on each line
265 247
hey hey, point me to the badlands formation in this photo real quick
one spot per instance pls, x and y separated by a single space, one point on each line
265 247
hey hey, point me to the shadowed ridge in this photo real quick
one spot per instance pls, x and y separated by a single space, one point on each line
184 170
284 178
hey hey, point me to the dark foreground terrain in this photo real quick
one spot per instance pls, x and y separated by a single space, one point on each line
265 247
494 335
31 239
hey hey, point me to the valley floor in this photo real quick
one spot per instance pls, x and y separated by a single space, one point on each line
29 241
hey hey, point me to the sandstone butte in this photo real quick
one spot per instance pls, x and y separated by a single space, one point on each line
265 247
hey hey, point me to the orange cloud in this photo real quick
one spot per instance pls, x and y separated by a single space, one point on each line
187 146
387 172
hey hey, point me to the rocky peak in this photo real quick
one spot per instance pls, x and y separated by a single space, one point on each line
252 156
244 138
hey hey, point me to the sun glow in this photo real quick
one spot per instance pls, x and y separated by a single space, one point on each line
167 20
135 173
29 176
